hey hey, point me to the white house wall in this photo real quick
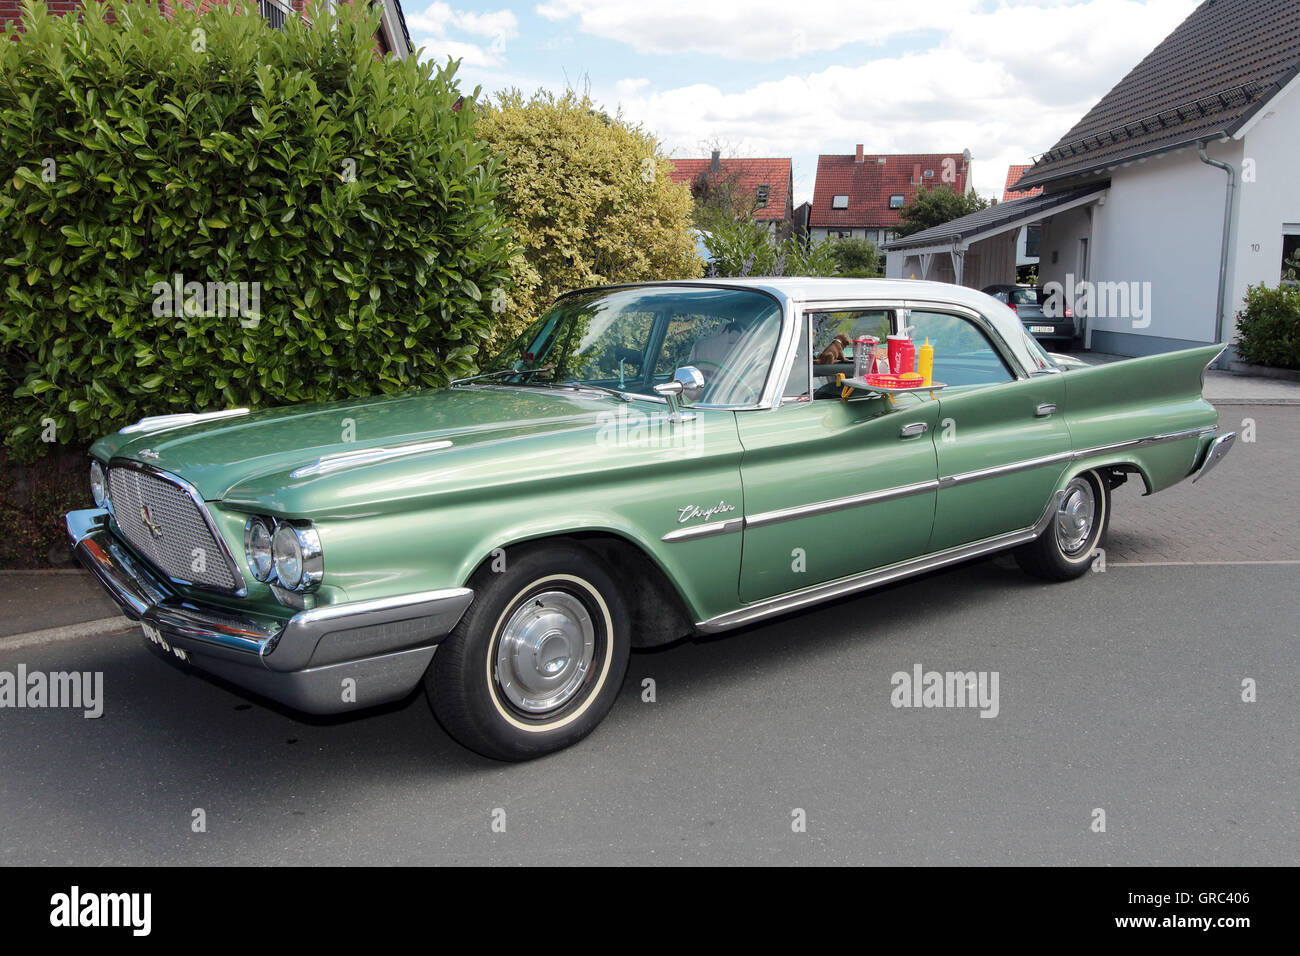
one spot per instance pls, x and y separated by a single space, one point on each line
1160 223
1270 203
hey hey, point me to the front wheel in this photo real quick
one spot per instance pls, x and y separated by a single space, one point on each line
1066 548
537 660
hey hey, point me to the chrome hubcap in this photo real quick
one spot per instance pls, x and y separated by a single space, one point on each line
1075 518
545 651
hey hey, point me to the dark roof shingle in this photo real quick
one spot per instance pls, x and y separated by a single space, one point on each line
1205 80
958 230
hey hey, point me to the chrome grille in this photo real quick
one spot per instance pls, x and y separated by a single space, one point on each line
172 532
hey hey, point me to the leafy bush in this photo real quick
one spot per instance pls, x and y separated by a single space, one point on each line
1268 328
347 193
746 247
856 258
589 200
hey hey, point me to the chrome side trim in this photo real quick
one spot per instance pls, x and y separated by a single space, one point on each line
364 456
921 487
870 579
1143 442
835 504
158 423
1008 469
705 530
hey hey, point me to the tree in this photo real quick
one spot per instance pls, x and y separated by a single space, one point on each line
856 258
589 199
933 207
746 247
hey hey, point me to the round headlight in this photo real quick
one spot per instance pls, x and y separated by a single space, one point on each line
257 548
98 489
296 552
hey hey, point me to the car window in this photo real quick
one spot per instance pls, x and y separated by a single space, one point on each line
633 339
832 348
1024 297
963 354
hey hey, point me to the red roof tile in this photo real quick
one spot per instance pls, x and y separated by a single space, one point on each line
1013 176
870 183
776 174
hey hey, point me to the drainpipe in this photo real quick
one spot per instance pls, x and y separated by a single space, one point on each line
1223 250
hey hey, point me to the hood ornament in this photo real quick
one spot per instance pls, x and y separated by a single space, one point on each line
148 454
154 527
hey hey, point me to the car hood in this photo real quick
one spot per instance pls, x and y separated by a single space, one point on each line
251 456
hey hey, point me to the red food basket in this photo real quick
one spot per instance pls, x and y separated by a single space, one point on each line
895 381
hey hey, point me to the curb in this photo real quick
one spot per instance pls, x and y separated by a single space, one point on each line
1253 401
69 632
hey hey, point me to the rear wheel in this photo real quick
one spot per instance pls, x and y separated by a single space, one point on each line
537 660
1067 547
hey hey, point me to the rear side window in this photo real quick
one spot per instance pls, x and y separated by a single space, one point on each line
832 347
963 354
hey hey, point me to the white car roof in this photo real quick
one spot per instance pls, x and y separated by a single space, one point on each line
805 290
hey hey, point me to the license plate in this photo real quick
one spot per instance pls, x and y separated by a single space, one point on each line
155 636
1042 328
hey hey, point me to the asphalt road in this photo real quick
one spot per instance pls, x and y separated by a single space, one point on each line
1121 691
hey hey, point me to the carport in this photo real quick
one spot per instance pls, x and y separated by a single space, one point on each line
979 250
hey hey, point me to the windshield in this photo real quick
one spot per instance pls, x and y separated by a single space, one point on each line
1024 296
634 339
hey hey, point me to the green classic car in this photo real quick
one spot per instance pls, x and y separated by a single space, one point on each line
645 463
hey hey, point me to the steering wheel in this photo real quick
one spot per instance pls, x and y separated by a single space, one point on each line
727 371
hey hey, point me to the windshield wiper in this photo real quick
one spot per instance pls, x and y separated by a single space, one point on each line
505 371
584 387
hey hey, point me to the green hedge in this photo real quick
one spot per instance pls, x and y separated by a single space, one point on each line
348 188
1268 329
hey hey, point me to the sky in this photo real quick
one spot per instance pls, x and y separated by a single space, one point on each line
1002 78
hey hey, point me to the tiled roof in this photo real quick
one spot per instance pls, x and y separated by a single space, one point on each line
776 174
1013 175
870 183
1206 79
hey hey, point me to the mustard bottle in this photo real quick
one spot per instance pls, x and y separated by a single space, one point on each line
925 363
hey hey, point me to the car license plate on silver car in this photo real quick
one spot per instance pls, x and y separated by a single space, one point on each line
155 636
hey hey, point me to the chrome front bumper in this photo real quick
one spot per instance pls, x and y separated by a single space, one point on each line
383 646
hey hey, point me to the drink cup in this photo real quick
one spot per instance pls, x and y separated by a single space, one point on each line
902 354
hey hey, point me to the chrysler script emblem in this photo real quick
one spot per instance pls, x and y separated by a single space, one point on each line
154 527
695 511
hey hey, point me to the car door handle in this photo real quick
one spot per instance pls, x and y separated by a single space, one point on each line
912 430
1044 410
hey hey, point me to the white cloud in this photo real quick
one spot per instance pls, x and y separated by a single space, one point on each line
1004 84
630 86
432 29
753 29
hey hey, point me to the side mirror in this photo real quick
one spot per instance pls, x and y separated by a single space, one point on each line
687 382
